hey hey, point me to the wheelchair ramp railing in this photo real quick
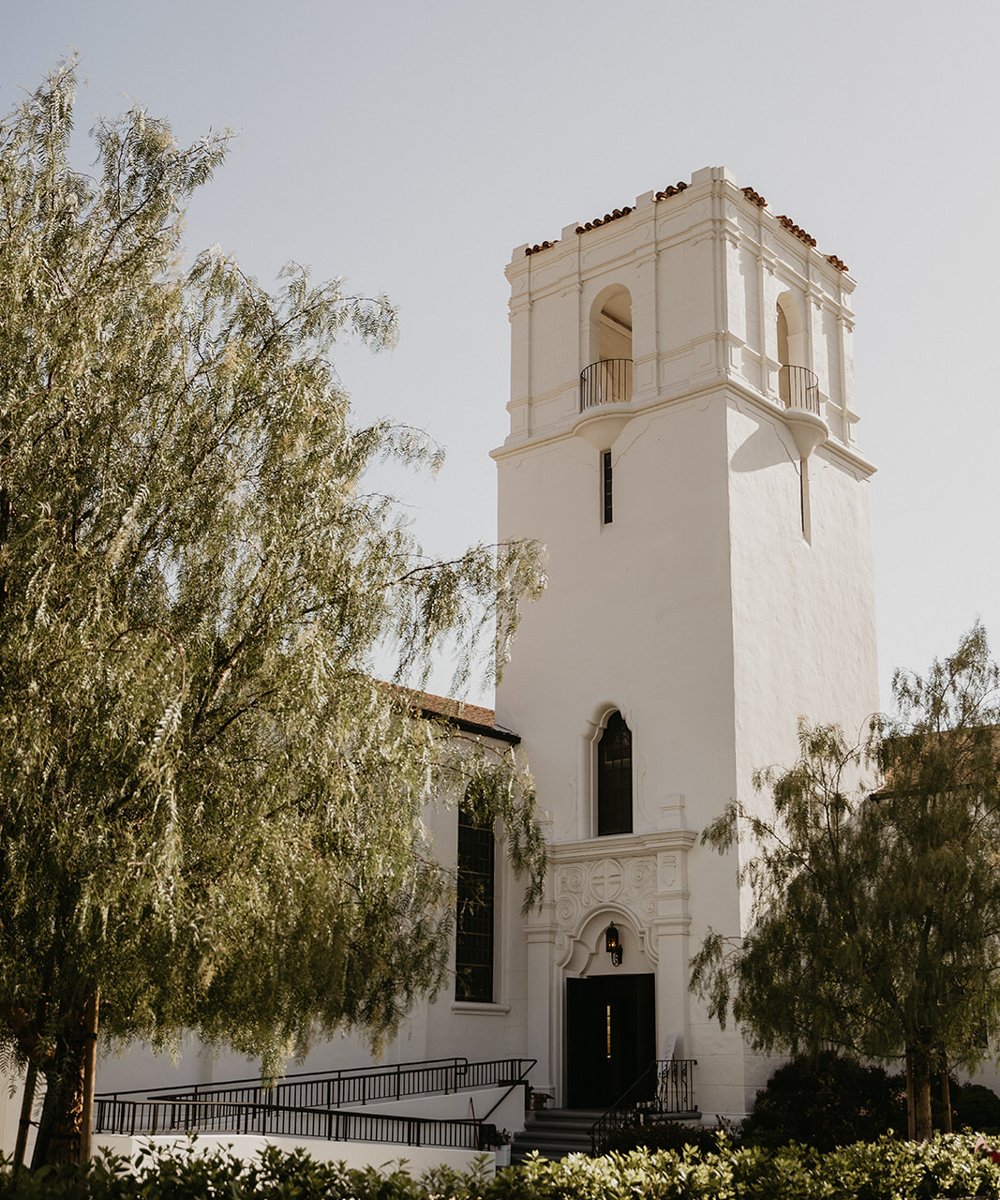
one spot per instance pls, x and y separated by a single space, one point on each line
149 1118
312 1104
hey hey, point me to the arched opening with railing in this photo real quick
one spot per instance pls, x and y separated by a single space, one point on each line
608 377
797 384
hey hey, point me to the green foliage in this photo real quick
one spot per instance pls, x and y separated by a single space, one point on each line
207 801
826 1101
663 1135
975 1108
882 1170
830 1100
875 912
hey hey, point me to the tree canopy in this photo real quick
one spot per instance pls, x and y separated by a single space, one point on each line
875 923
207 801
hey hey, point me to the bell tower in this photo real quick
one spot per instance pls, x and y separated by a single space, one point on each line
683 442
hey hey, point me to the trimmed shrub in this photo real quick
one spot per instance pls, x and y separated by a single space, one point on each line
664 1135
974 1107
826 1101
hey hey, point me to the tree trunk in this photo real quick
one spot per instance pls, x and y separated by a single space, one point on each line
31 1077
61 1122
920 1072
24 1124
910 1106
89 1072
946 1124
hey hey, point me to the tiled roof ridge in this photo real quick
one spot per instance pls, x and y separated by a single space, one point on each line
675 189
448 706
474 718
616 214
795 230
754 197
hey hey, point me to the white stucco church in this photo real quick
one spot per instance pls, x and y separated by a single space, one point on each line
684 442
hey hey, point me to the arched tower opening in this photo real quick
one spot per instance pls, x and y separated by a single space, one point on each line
796 382
607 379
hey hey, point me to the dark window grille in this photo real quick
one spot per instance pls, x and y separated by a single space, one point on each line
475 909
614 777
608 487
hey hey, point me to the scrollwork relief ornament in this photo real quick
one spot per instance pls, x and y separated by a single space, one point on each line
570 880
641 872
567 910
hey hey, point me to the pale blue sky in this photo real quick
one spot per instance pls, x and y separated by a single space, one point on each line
411 146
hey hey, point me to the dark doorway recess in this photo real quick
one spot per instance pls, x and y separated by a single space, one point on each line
610 1037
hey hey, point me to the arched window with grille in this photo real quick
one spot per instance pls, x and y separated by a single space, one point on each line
614 777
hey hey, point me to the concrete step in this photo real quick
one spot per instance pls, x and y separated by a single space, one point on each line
555 1133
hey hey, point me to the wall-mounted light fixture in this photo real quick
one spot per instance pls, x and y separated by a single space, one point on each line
613 944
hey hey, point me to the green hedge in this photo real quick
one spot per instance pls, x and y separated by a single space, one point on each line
882 1170
826 1100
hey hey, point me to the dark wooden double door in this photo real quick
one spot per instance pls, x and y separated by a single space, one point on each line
610 1037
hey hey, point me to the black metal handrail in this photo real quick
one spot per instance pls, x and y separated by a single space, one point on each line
665 1090
606 382
798 387
334 1089
191 1089
185 1116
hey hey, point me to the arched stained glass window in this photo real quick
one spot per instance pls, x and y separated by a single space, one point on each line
614 777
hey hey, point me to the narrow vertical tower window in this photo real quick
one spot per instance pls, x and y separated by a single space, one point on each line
607 487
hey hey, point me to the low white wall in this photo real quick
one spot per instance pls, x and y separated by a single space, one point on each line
470 1105
415 1160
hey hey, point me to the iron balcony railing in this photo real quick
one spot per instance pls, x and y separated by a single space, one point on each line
664 1091
151 1117
798 387
606 382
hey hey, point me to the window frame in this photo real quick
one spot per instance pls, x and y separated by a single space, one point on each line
607 488
475 891
614 784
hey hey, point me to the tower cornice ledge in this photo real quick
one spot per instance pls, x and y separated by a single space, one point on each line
832 446
622 845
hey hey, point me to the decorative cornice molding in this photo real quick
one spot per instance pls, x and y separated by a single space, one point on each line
622 844
718 384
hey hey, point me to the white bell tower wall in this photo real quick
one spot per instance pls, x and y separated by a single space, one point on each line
705 515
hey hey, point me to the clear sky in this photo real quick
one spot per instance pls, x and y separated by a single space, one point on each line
409 146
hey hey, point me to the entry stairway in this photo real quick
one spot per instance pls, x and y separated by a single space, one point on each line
555 1132
663 1092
